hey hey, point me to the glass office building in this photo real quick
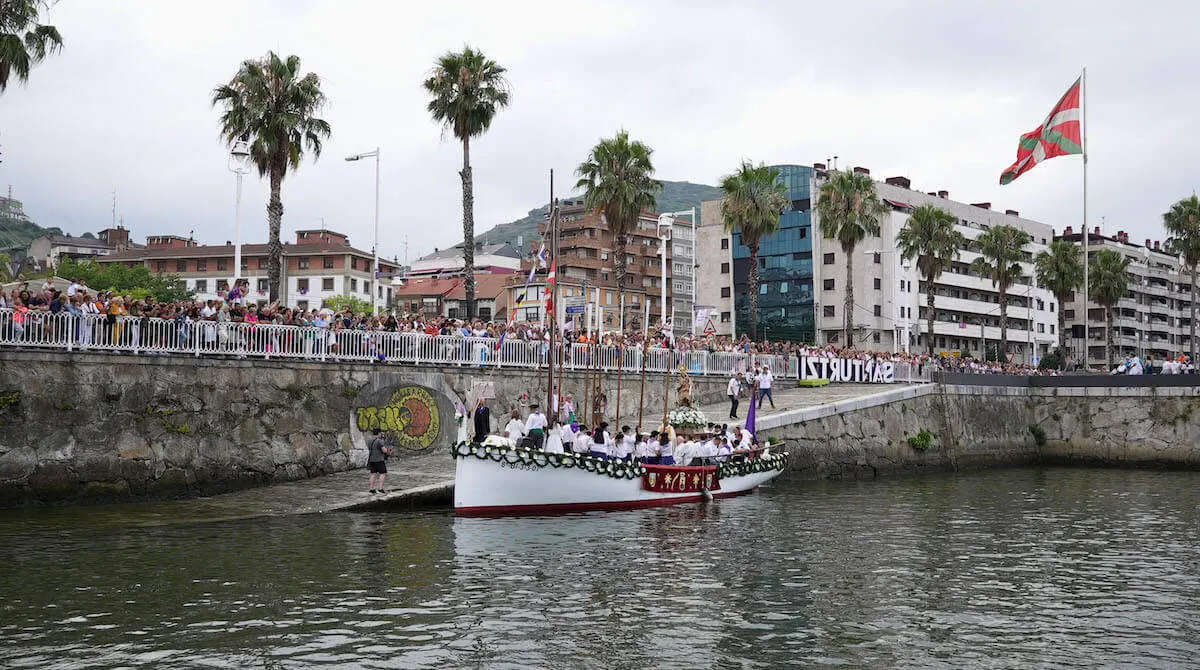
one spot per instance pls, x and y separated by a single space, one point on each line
785 294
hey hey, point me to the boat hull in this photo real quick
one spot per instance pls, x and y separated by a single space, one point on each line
520 485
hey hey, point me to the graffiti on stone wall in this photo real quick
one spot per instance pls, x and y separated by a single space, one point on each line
409 417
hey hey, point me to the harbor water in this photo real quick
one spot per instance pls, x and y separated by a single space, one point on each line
1015 568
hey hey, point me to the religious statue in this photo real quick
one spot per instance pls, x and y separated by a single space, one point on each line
684 389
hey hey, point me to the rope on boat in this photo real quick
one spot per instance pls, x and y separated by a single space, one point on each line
612 468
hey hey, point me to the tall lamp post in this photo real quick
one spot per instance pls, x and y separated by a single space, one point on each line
375 291
239 165
665 221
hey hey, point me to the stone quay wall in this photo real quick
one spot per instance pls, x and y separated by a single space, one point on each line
974 426
96 427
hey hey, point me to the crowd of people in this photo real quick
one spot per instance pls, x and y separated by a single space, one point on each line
563 432
123 321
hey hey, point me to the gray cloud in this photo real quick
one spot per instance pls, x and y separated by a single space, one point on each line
937 91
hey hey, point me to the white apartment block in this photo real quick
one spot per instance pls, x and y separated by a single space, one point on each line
1155 316
713 279
889 292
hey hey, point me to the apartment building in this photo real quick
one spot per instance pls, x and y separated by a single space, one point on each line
1152 319
587 255
785 259
49 250
320 264
889 293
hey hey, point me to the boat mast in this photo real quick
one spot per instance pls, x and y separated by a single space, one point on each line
551 302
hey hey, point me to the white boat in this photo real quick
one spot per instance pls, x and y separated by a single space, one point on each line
502 480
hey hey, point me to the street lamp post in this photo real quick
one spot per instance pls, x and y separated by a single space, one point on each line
665 221
239 165
375 290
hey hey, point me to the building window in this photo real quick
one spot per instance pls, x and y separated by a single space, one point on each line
1070 314
353 284
783 287
724 291
302 262
201 286
302 285
222 285
878 310
161 266
485 313
366 287
202 265
181 266
1052 329
878 283
827 284
878 257
724 317
803 233
327 283
724 242
452 312
222 264
262 263
246 264
327 262
827 259
724 268
827 310
762 290
1041 327
875 337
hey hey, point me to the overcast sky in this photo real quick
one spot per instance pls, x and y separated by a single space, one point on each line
936 91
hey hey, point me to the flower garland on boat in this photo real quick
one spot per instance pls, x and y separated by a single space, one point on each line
611 468
687 417
764 463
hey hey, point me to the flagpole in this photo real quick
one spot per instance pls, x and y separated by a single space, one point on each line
1086 231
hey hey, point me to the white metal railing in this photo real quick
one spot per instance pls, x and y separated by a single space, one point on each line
100 332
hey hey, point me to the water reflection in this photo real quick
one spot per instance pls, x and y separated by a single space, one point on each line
1011 568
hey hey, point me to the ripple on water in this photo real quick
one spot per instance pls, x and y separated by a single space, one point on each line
1011 568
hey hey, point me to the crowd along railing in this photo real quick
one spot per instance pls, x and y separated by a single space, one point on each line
139 335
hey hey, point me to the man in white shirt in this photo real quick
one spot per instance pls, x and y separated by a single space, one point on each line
535 426
73 288
732 390
764 387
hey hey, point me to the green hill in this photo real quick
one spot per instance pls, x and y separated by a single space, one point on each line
675 196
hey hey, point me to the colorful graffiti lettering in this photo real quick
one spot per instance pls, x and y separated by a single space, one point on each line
410 417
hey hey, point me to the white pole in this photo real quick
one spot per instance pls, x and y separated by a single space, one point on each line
1083 134
375 289
237 218
692 312
663 308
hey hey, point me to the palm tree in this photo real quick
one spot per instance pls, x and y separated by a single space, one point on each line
1108 282
754 199
1060 269
1183 224
1000 252
24 41
270 104
930 237
466 90
618 181
850 210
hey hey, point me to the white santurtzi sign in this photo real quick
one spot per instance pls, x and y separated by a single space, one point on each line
847 370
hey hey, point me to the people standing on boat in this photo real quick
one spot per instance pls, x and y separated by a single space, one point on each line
515 429
554 438
377 462
601 441
535 426
623 449
583 441
666 450
642 450
483 420
724 449
764 386
732 390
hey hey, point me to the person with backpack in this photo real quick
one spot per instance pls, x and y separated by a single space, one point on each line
377 454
